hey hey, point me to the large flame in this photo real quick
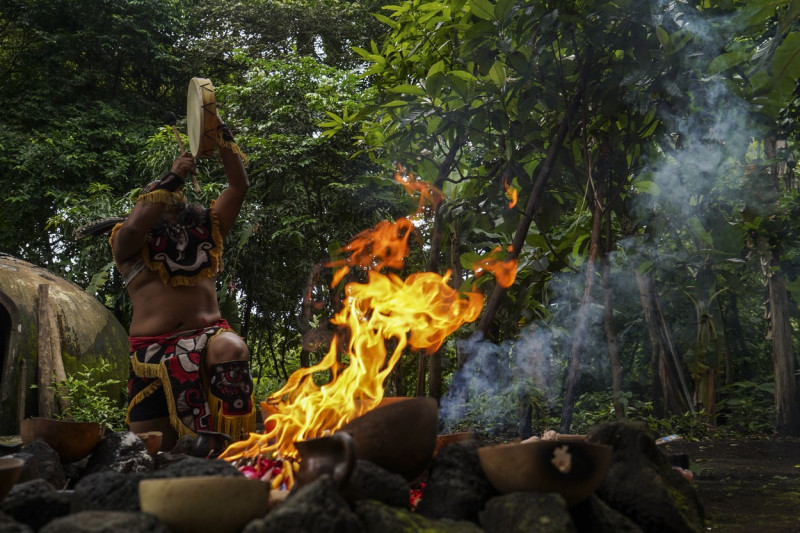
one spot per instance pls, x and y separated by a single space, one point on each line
378 321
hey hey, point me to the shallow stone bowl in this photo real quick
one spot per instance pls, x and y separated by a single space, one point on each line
205 504
572 468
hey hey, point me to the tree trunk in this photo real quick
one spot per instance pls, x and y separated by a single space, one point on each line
669 389
787 402
582 326
545 169
611 332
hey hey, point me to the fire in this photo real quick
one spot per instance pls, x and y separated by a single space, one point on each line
512 194
428 194
505 271
378 321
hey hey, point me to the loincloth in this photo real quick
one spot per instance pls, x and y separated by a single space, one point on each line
171 365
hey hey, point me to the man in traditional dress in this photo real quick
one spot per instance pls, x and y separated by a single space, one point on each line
189 369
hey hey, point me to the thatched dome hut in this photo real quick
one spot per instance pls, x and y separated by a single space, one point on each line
83 329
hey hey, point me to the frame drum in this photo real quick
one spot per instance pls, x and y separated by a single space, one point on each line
201 118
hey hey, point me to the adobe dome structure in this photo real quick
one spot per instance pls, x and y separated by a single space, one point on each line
87 332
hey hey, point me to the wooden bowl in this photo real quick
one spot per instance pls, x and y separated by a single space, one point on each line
71 440
399 436
205 504
533 466
10 467
152 440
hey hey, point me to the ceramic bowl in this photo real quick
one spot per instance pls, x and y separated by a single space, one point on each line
71 440
571 468
398 436
205 504
10 467
152 440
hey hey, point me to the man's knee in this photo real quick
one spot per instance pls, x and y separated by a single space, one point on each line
226 346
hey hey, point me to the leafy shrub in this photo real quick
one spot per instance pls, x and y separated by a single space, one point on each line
88 399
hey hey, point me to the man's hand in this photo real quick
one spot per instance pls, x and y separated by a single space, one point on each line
184 166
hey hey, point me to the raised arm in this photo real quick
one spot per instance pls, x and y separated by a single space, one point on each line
132 235
230 201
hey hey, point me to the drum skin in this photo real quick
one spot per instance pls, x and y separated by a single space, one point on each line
201 118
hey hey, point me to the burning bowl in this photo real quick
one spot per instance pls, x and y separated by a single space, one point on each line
205 504
571 468
399 436
10 467
71 440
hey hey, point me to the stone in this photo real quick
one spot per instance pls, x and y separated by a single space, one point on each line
9 525
595 516
377 517
36 503
196 466
41 461
456 488
642 485
520 512
106 522
316 507
107 491
120 452
371 482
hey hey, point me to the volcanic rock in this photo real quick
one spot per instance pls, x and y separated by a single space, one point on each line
316 507
106 522
371 482
107 491
119 452
642 485
378 517
35 503
196 466
594 515
457 488
9 525
41 461
527 511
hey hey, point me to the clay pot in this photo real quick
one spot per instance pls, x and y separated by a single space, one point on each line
451 438
334 455
10 467
533 466
398 436
211 443
71 440
205 504
152 440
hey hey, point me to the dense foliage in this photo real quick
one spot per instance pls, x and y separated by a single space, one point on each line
652 145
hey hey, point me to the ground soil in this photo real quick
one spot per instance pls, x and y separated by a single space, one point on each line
749 484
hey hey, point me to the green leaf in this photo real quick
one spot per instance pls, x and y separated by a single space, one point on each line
723 62
482 9
663 36
649 187
785 67
498 73
407 88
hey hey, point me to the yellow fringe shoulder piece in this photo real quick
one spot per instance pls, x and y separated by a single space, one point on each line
162 196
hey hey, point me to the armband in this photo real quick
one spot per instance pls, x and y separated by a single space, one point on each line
167 190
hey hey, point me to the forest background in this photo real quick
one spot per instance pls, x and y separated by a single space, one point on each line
652 145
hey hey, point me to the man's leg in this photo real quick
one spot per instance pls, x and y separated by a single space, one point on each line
230 385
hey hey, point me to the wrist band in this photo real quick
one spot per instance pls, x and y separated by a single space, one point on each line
225 140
